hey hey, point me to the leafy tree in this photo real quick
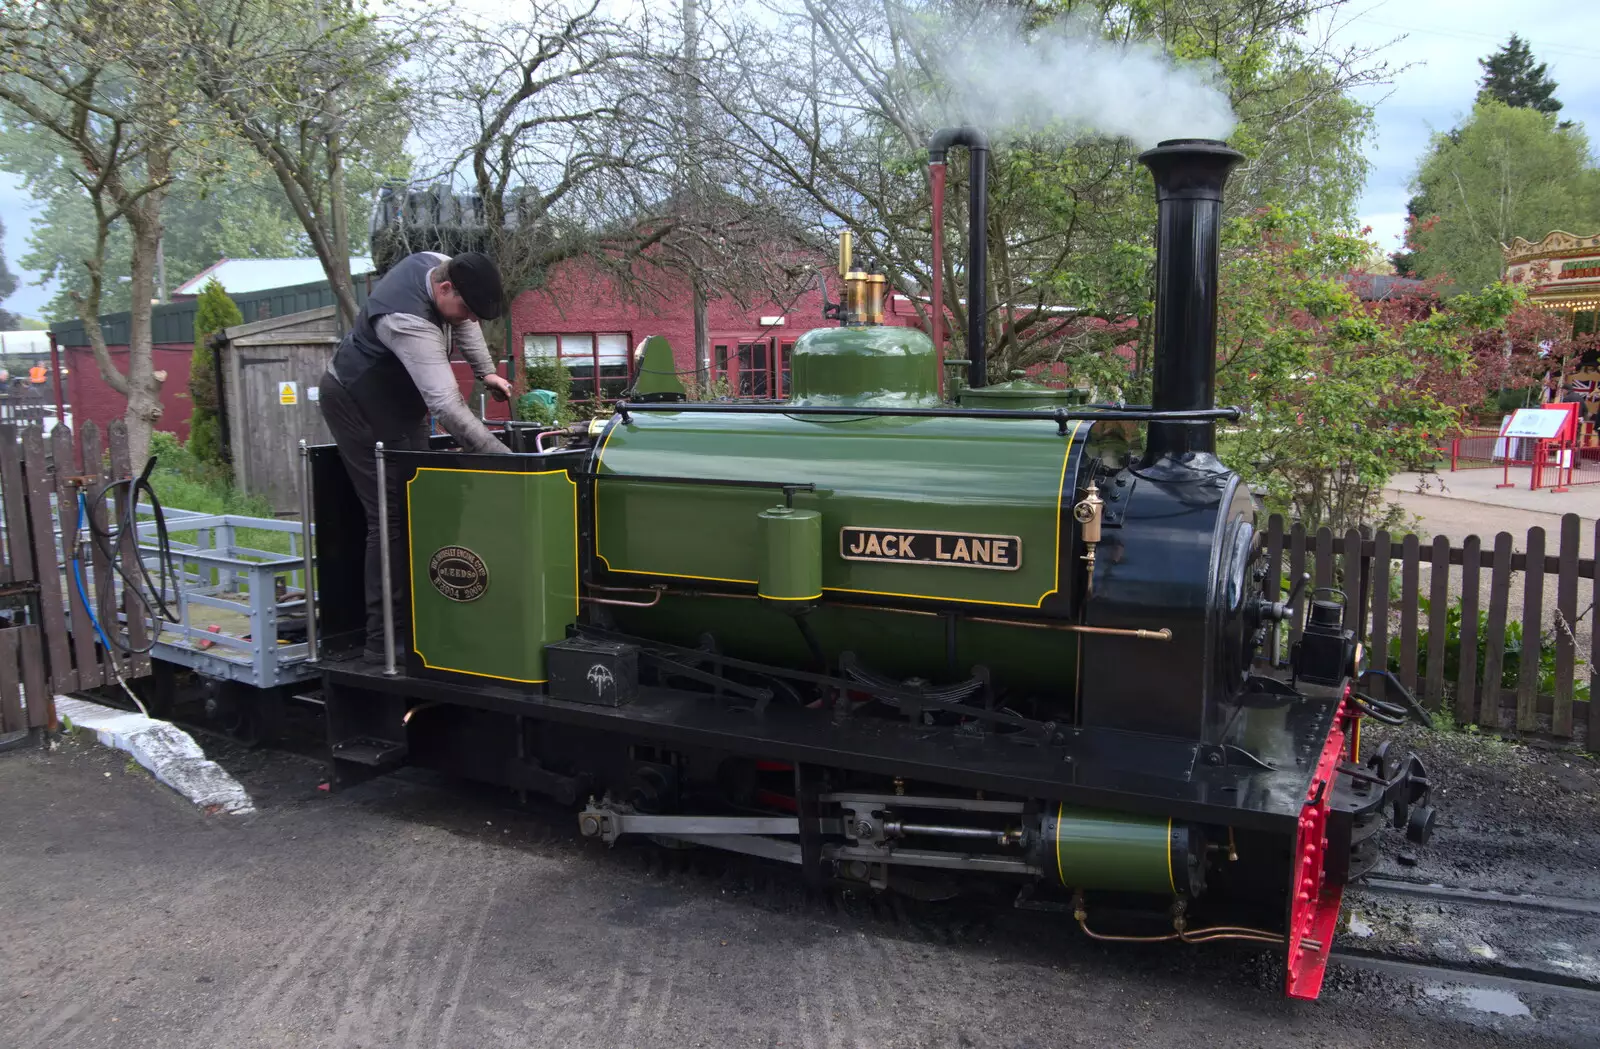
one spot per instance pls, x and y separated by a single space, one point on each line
214 311
96 78
1510 76
8 284
1339 394
1508 172
230 208
828 106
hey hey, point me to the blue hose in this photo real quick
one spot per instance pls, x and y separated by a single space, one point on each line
77 574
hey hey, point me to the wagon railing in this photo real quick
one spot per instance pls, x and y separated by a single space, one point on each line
231 603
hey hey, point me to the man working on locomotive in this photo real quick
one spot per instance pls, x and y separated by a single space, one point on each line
392 372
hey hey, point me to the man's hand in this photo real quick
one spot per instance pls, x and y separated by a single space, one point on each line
498 386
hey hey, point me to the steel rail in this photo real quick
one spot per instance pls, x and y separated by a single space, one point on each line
1461 894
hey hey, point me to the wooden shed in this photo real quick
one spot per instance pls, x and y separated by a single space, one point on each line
270 371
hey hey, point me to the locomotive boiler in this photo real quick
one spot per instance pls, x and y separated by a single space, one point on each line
892 640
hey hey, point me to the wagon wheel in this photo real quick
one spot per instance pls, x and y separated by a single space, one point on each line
231 708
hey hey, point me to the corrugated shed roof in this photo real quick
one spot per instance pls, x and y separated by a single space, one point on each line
241 276
173 323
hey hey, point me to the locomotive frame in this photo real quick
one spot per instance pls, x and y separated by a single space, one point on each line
1217 773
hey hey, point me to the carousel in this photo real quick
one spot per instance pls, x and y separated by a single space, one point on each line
1562 273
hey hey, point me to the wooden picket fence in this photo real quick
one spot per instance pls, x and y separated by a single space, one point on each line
1416 641
48 644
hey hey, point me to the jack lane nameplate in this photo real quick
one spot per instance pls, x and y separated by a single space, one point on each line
458 573
913 547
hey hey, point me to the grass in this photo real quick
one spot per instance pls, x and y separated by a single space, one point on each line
184 483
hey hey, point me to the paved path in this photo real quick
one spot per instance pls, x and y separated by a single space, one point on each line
1468 503
1482 487
404 914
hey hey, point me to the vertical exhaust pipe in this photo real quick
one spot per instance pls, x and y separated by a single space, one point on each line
1189 175
977 143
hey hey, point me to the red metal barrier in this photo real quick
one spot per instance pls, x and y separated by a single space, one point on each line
1478 447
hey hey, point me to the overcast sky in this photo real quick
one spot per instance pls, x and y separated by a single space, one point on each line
1442 42
1439 41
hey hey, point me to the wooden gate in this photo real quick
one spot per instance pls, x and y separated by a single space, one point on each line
53 588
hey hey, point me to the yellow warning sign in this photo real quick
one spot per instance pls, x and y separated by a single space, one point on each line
288 393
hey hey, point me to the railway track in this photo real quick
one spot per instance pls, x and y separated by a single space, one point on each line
1461 894
1515 981
1495 987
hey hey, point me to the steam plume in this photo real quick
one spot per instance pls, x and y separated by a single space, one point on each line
1064 80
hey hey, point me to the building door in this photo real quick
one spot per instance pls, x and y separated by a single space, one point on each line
274 408
755 368
785 348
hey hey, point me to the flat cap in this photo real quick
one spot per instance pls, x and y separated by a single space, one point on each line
477 278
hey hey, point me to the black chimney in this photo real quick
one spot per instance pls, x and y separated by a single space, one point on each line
1189 174
977 143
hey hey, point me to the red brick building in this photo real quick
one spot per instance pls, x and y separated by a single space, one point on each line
581 314
584 317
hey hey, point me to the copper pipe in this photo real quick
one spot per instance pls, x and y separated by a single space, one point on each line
406 718
654 592
1192 936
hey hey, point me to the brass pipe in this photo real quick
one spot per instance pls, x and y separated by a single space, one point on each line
1164 634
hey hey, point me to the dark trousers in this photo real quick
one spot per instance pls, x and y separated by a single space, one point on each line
356 439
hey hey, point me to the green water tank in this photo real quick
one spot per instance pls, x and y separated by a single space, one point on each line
871 366
1020 395
537 404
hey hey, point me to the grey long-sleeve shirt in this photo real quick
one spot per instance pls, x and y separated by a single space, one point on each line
421 347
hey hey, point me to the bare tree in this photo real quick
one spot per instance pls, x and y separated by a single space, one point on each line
312 86
570 141
86 71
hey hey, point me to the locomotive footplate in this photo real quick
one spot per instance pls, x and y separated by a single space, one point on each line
1127 771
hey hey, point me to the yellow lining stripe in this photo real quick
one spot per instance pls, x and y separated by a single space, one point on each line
1171 884
1061 875
411 564
769 597
1061 500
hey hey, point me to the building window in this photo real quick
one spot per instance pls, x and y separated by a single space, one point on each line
754 368
598 361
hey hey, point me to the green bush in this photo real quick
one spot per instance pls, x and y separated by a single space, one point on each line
213 312
1511 657
545 373
1507 401
185 482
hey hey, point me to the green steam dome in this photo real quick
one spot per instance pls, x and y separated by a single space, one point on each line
872 366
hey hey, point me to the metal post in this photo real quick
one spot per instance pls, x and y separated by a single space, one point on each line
383 562
55 371
308 588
